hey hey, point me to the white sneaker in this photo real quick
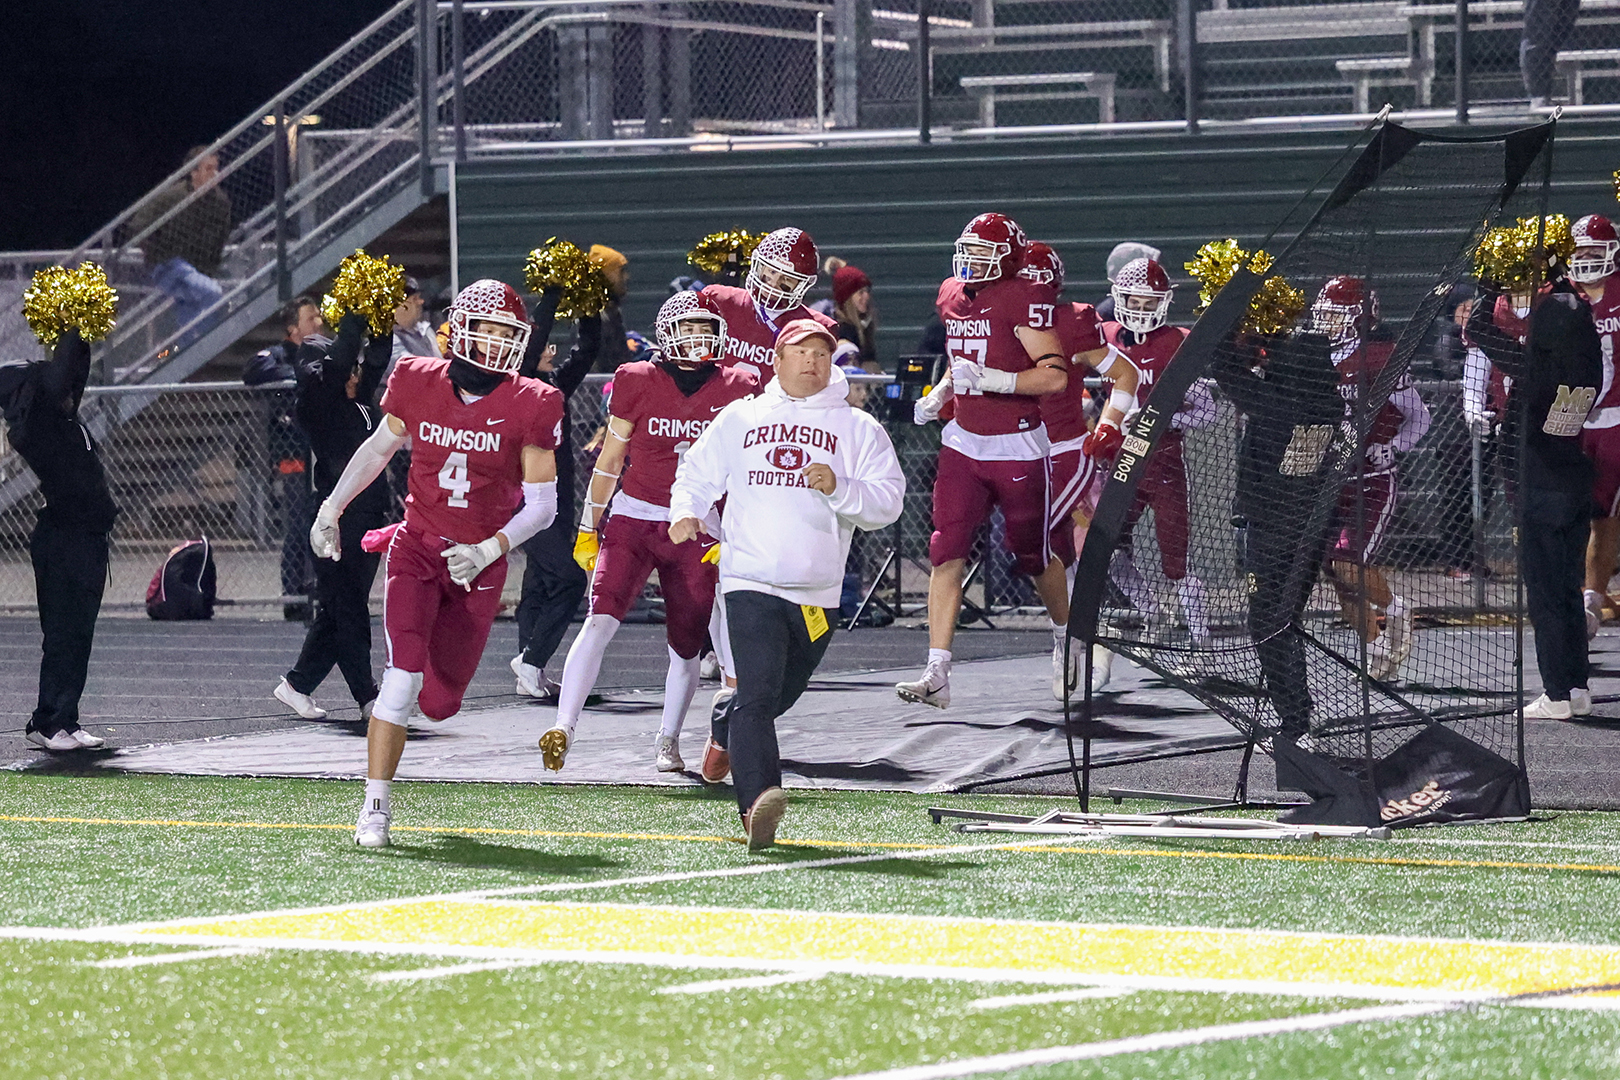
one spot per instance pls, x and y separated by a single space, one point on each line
372 829
367 709
1065 678
57 743
554 746
1398 627
934 688
302 704
720 702
1102 668
709 666
88 741
1544 708
1580 702
532 681
669 754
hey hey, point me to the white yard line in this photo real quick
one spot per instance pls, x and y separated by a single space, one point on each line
1053 997
1145 1044
757 982
173 957
445 972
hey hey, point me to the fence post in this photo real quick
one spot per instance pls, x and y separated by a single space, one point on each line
680 80
1187 56
1463 61
846 65
458 77
279 168
925 89
652 75
427 80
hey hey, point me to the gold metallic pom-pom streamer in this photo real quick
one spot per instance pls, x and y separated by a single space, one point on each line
368 286
1617 184
59 300
713 251
1274 308
1505 254
561 264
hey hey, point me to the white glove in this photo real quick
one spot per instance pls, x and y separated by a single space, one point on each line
323 535
971 378
927 409
467 561
1380 456
1479 423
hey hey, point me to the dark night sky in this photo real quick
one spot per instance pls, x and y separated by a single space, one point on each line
100 98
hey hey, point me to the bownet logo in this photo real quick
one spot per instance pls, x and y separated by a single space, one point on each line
1425 800
787 458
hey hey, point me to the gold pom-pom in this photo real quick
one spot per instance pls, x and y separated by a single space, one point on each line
1505 256
1617 184
1274 308
561 264
60 299
713 251
368 286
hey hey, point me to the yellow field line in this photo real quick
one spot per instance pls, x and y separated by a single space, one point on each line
700 838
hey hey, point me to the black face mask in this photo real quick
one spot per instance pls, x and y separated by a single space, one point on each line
688 380
472 379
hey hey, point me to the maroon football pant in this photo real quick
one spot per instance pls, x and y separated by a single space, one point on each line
433 625
965 491
632 549
1164 487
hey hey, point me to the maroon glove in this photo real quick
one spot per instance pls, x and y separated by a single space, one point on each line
1102 443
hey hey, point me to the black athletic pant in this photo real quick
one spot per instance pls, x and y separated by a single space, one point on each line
341 632
70 575
771 646
553 586
1553 559
1282 571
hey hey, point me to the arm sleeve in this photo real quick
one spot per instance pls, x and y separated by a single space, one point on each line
1415 418
582 357
67 372
538 511
700 480
368 462
871 497
1476 381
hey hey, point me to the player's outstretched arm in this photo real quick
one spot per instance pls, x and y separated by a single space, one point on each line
604 480
368 462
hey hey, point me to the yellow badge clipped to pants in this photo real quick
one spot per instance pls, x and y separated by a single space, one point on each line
815 620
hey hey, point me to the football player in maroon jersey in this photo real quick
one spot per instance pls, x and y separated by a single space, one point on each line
782 269
1346 309
482 444
659 409
1001 339
1592 269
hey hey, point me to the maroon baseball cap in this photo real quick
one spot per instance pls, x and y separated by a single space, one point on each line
801 330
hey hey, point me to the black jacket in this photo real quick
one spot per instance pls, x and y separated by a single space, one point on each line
335 423
1556 377
566 377
41 403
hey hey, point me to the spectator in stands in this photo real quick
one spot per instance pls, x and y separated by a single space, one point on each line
69 543
183 252
413 333
1122 254
616 349
1547 26
553 583
334 407
853 308
289 450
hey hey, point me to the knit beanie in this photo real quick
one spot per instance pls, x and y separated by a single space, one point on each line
847 281
606 258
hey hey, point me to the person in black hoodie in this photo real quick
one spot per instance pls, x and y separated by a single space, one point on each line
1557 375
69 542
553 583
1294 436
335 387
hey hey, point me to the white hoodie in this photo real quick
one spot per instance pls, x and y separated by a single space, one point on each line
782 536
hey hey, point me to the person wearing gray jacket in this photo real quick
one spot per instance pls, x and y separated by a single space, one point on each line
800 471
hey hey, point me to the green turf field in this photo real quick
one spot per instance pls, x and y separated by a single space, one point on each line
166 927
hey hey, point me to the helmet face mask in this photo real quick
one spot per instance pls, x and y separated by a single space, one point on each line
1141 280
782 269
1340 306
990 248
689 332
489 327
1596 246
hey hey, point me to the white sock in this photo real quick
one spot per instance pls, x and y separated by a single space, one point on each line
378 795
1069 573
942 657
1592 599
680 684
1122 568
583 665
720 634
1192 606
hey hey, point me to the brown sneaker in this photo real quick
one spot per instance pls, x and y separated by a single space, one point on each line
762 818
716 762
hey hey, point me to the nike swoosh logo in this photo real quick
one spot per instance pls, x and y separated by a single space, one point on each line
716 408
1019 479
485 588
492 423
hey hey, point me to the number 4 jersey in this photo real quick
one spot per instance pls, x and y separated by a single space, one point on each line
981 328
466 477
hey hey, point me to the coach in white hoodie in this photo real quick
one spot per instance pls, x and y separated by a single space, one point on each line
800 471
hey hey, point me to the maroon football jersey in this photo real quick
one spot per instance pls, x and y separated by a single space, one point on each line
1064 413
466 477
980 328
1369 357
665 422
750 337
1606 318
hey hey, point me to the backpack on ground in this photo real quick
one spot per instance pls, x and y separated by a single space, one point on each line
183 587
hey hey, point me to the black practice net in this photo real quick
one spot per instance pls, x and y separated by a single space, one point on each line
1350 597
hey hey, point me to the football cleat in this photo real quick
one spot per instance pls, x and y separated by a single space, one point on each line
1545 708
554 746
56 742
709 666
302 704
716 763
1065 677
372 829
669 754
1102 668
88 741
934 688
761 819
